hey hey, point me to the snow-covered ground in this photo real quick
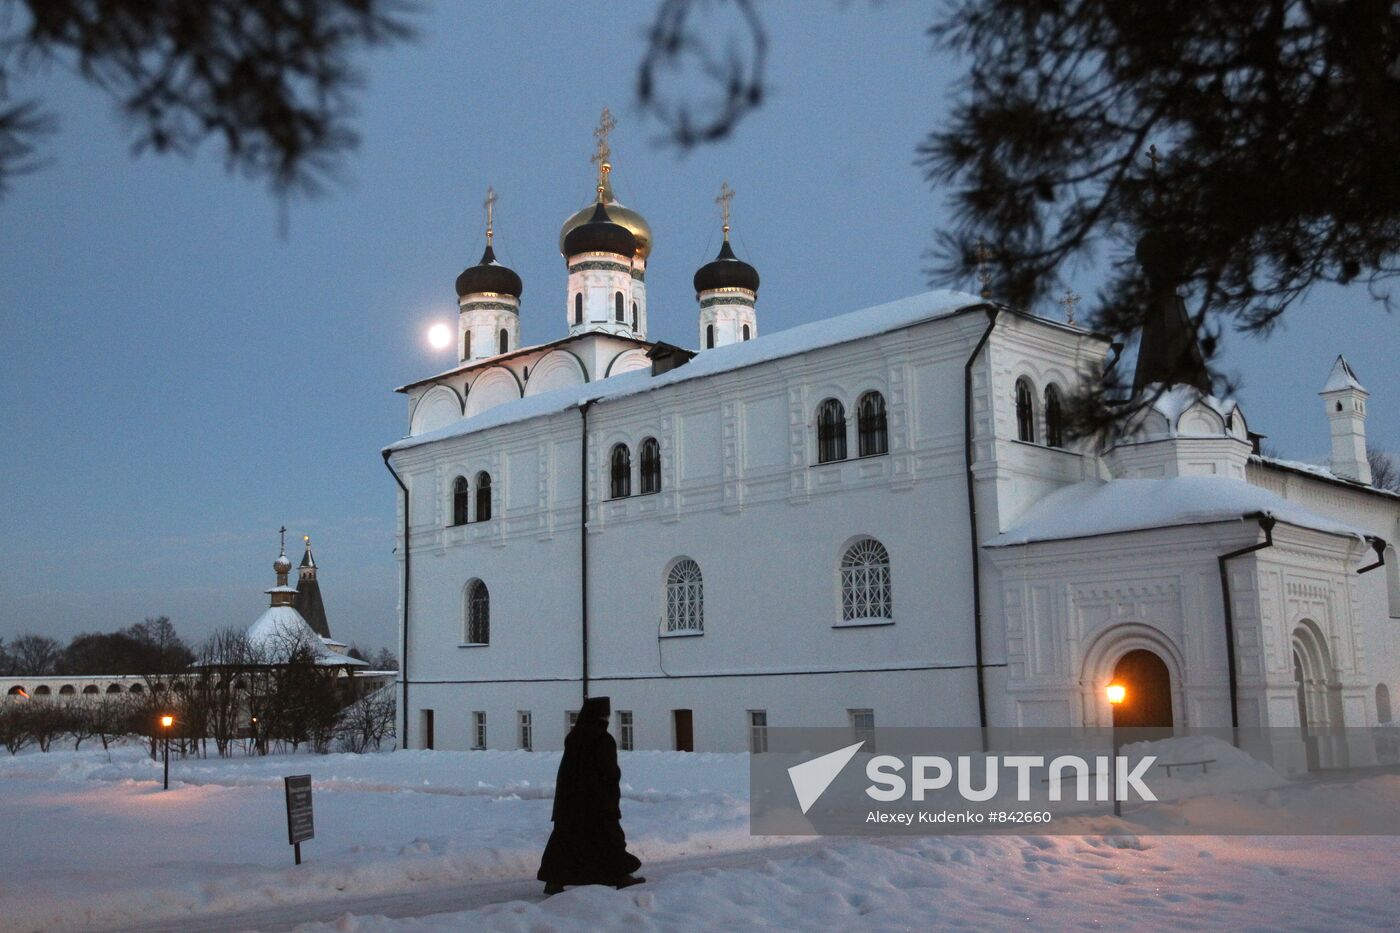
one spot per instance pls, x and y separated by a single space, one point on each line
450 841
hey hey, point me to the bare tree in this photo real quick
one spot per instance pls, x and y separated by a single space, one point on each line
14 728
46 721
34 654
364 724
1385 473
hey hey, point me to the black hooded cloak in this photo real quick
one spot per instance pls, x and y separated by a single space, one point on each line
588 845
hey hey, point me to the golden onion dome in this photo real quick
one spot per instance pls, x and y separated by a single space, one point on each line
618 213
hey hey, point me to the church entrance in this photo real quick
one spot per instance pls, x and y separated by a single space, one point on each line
1147 700
1320 717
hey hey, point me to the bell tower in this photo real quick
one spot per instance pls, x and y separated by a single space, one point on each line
1345 400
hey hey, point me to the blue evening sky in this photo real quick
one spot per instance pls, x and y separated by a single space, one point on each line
179 378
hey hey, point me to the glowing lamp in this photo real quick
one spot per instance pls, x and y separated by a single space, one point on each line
1117 693
440 336
167 721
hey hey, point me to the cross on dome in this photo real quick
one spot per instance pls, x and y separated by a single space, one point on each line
490 204
726 195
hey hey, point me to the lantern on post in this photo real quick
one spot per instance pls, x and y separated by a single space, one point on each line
1117 693
166 721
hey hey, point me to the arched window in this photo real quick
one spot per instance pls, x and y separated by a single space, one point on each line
873 427
67 690
578 307
478 628
746 332
505 340
90 689
466 345
1025 412
634 315
617 307
42 690
1382 704
831 431
651 466
621 472
136 688
114 688
1054 418
685 597
709 336
865 582
483 497
460 497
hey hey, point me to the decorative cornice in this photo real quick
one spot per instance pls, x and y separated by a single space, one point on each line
603 264
728 296
489 305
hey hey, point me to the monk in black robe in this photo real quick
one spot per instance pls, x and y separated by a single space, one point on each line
588 845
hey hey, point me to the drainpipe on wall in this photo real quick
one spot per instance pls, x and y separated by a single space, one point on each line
1378 544
583 537
403 654
992 313
1266 524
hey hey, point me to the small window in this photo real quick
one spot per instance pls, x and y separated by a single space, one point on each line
479 729
427 729
1382 704
651 466
618 306
831 431
747 332
467 345
1025 412
478 628
505 340
634 315
621 460
873 428
578 307
624 730
758 731
570 720
863 728
483 496
1055 418
685 598
43 690
709 336
527 730
865 582
460 497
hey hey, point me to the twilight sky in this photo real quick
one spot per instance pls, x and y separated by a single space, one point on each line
179 378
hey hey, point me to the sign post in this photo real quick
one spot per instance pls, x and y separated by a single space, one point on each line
299 823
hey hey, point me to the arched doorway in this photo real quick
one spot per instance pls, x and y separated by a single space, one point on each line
1320 716
1147 700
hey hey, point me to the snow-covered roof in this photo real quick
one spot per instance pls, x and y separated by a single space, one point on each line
1115 506
1319 471
1341 378
280 629
804 338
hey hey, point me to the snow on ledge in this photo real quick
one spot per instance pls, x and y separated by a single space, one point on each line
804 338
1115 506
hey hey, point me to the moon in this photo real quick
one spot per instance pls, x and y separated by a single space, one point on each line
440 336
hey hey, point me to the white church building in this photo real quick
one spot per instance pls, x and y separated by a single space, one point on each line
875 519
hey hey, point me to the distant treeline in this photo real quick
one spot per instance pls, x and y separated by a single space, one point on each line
149 647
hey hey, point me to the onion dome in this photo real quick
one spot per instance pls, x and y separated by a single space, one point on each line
489 276
282 565
620 214
726 271
600 235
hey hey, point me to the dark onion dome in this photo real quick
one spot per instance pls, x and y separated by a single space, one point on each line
600 235
726 271
489 276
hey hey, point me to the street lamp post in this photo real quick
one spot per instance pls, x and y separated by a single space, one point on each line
166 722
1117 693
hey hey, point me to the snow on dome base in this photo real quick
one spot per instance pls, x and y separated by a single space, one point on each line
280 631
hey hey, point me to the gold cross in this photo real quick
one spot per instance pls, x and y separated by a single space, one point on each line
984 275
282 533
726 194
1068 302
490 211
606 124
